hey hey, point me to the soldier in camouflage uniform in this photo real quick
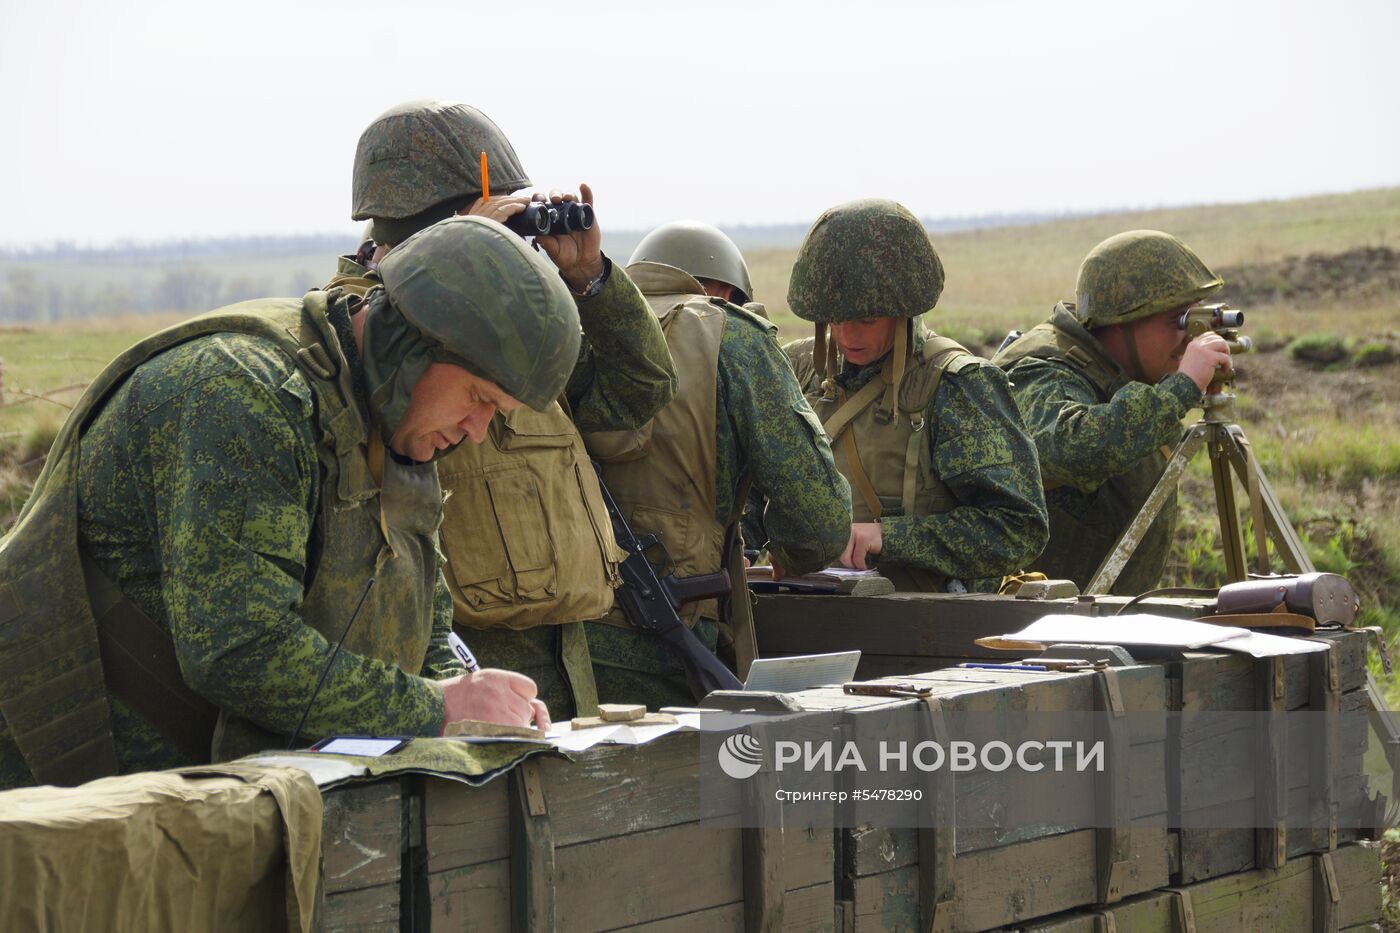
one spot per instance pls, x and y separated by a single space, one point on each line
239 489
738 419
529 547
945 488
1104 385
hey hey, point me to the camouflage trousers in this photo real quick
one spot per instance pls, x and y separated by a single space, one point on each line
632 666
555 657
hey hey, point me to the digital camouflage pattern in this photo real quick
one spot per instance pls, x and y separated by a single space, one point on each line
700 249
1100 436
864 259
224 488
422 152
766 434
979 451
624 373
468 291
1138 274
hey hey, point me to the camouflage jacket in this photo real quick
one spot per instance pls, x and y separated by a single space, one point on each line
979 450
1100 436
199 490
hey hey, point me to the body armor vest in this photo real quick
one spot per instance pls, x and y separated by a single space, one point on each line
62 647
526 535
878 440
1085 525
663 474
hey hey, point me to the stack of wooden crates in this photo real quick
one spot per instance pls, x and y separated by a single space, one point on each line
615 839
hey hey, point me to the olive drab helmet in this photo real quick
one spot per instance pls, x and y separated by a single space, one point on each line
1137 274
424 152
481 294
864 259
700 249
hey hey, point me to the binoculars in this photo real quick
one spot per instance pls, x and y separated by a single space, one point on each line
541 218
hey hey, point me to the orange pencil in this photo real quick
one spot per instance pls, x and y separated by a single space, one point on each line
485 179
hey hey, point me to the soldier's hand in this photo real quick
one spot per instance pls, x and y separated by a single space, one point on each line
492 695
865 539
579 255
1202 357
501 209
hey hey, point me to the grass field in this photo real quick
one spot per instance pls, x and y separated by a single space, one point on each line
1328 437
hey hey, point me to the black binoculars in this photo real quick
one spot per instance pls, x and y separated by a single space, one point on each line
544 219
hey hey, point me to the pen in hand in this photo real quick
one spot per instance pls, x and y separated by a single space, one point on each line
463 653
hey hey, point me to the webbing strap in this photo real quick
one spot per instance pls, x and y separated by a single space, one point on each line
848 408
739 603
376 470
911 463
859 478
1112 836
577 662
143 671
937 834
1325 700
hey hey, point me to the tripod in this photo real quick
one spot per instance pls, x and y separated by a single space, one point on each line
1224 440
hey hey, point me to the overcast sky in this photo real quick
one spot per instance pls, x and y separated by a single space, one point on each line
154 120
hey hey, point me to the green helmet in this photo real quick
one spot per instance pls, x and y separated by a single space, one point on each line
698 248
867 258
1138 274
424 152
482 299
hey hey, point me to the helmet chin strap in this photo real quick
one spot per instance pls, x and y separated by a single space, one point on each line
1130 342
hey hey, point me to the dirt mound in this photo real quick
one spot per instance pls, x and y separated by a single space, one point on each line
1370 271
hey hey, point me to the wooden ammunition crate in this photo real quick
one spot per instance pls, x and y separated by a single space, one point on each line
1297 898
615 840
363 842
912 632
1012 866
1226 767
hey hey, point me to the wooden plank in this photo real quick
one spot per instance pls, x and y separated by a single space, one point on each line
1358 871
362 836
806 909
465 825
532 855
472 897
762 844
367 910
995 887
1149 913
1276 900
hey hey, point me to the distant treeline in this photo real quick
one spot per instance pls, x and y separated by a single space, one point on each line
65 280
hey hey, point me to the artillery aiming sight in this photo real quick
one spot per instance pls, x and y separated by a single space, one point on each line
1225 321
542 219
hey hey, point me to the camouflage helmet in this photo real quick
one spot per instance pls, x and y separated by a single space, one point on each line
698 248
1138 274
490 303
424 152
862 259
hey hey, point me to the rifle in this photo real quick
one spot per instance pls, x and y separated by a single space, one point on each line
650 602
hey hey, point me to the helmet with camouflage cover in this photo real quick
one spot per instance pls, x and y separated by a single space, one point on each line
1137 274
700 249
863 259
424 152
469 292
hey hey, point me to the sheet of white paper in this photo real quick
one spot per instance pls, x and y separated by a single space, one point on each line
365 747
1265 645
1160 631
849 572
801 672
566 738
